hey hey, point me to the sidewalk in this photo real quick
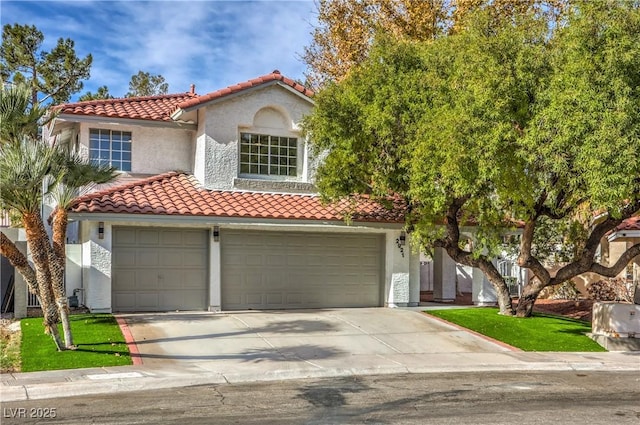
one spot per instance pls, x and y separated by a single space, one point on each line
69 383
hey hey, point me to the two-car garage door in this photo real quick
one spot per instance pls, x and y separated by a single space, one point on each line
164 269
277 270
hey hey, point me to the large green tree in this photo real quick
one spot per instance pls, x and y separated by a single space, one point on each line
53 76
100 94
345 29
507 122
146 84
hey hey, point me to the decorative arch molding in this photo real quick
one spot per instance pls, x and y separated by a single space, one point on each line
273 117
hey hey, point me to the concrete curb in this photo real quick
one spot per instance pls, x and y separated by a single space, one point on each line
132 378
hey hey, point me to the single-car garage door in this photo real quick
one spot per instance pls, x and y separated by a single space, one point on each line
273 270
156 269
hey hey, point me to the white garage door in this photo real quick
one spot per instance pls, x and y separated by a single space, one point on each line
158 269
273 270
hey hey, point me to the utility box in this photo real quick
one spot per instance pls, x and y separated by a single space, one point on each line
616 326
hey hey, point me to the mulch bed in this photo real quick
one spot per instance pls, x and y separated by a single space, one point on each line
580 309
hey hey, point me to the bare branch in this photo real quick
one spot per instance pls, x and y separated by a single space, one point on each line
622 262
525 259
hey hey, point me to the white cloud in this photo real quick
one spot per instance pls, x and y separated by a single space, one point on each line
210 43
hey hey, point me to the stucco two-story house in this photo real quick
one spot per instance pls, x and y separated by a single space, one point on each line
215 209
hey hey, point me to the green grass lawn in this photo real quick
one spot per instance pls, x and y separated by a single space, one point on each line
98 337
538 333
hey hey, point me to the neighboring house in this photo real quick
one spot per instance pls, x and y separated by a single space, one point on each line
216 209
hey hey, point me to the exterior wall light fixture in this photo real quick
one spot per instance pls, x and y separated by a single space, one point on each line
401 242
101 230
216 233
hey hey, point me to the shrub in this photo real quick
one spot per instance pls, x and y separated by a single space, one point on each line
612 289
565 291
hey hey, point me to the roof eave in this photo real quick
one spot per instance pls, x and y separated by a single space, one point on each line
222 220
623 235
123 121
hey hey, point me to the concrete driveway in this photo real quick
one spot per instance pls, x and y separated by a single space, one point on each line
263 342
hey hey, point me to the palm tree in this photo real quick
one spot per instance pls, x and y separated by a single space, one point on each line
18 117
30 170
24 166
75 175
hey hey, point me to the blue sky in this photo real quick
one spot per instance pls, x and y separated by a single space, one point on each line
210 43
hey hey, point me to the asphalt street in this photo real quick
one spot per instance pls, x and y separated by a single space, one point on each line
576 397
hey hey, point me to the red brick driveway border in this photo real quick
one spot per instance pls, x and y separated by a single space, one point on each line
131 343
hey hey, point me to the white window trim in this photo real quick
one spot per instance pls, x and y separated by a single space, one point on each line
110 161
300 147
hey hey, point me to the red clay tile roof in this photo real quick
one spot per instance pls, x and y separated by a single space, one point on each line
177 193
275 76
155 108
160 108
632 223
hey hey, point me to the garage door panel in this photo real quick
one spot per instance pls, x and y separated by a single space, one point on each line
157 269
147 258
171 238
300 270
254 260
253 299
148 237
295 299
185 279
123 237
275 298
145 280
313 299
232 259
124 257
195 259
147 300
276 260
125 300
277 280
123 279
169 258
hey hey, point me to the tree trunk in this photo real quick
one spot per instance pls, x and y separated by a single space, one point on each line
63 312
38 243
502 290
50 320
57 266
528 298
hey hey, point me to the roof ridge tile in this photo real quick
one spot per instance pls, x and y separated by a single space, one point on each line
244 85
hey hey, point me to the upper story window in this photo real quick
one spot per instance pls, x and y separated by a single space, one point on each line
267 155
111 147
